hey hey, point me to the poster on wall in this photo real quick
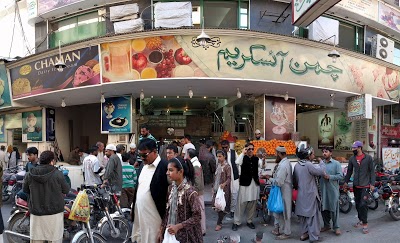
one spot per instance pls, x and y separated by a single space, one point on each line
326 130
359 107
343 132
41 76
32 126
116 115
2 130
280 118
5 98
13 120
390 158
389 16
50 125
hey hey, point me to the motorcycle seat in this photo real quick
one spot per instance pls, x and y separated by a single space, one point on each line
22 203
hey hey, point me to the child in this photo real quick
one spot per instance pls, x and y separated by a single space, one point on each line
223 181
183 215
129 180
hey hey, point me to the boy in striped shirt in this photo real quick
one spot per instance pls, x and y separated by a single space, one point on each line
129 181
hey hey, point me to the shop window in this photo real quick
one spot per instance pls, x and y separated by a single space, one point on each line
396 54
387 115
77 28
395 114
220 14
351 37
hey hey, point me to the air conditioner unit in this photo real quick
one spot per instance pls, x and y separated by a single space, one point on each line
384 48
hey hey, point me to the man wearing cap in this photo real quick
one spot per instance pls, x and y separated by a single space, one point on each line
133 155
257 134
364 179
329 184
282 177
113 173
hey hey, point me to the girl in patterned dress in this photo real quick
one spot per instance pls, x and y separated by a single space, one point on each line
183 215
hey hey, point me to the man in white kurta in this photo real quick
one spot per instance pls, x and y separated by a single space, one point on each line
147 219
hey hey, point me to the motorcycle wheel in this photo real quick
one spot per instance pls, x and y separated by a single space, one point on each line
373 205
265 213
15 225
345 204
394 210
85 238
5 197
122 227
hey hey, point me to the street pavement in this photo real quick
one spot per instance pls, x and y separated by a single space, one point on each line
382 228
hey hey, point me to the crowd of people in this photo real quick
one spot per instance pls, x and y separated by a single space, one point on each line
164 186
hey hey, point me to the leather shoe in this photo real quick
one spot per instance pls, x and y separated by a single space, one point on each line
235 227
304 237
325 229
251 225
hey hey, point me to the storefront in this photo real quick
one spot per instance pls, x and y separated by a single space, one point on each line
167 80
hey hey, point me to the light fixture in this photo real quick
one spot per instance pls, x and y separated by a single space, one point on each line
238 94
167 110
177 96
205 97
60 65
190 92
165 96
333 54
63 104
244 118
102 99
151 97
286 97
332 103
204 40
141 95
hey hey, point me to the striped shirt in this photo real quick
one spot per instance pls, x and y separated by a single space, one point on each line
129 176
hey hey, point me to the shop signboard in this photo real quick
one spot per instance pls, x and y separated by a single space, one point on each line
359 107
41 76
343 132
5 98
235 57
116 115
326 129
13 121
366 8
389 16
280 118
300 7
32 126
49 5
390 132
2 130
390 158
304 12
50 125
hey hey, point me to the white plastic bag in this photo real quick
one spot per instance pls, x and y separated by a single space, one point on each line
168 238
220 202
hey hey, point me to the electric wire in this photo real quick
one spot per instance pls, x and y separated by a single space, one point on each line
12 36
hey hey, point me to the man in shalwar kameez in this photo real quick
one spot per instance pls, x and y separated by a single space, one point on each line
283 178
308 203
330 192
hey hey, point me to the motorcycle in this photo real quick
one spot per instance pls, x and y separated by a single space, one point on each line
10 186
346 199
18 229
110 225
262 206
390 193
